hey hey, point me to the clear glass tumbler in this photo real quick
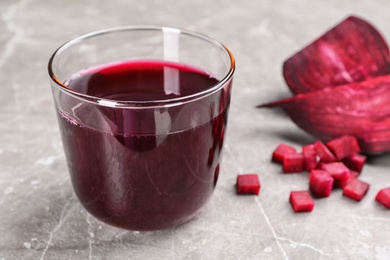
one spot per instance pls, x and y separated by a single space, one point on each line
142 113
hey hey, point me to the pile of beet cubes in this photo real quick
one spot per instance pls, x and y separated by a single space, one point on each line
336 164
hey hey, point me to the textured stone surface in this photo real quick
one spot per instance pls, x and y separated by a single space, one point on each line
40 217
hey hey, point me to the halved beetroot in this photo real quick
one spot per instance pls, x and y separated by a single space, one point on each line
301 201
293 162
343 147
383 197
248 184
356 189
359 109
355 162
309 156
280 151
338 171
320 183
352 51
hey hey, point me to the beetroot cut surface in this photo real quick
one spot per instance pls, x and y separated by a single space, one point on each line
320 183
356 189
301 201
355 162
383 197
352 51
324 153
280 152
293 163
353 175
359 109
338 171
248 184
343 147
309 156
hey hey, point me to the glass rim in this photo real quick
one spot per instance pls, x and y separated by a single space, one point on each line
155 103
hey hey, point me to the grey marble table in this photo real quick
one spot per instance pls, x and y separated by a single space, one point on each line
40 217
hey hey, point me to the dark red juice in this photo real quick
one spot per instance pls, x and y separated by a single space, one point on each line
145 172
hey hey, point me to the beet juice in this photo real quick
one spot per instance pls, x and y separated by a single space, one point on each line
145 170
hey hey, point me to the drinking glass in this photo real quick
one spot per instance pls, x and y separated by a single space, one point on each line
143 163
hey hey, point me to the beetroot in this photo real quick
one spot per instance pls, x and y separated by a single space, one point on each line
293 162
342 86
345 181
301 201
324 153
358 109
352 51
309 156
248 184
320 183
343 147
383 197
355 162
281 151
356 189
338 171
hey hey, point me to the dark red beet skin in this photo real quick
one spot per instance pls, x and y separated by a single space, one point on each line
352 51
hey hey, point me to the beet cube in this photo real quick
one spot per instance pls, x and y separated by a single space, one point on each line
355 162
344 146
356 189
320 183
301 201
383 197
309 156
338 170
352 175
248 184
324 153
293 162
281 151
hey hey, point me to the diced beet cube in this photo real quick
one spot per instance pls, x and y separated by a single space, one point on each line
281 151
301 201
309 156
343 147
352 175
320 183
355 162
293 162
248 184
356 189
338 170
383 197
324 153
